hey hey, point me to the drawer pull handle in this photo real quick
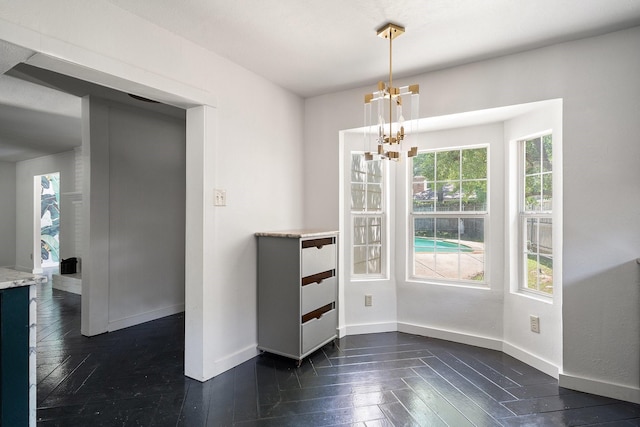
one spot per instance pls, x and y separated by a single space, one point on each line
318 243
317 313
318 278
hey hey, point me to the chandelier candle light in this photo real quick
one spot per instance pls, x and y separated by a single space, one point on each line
387 102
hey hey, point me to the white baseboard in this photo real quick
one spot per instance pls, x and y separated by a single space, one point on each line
67 284
531 359
228 362
370 328
601 388
443 334
114 325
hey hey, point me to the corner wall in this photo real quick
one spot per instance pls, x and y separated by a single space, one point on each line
136 194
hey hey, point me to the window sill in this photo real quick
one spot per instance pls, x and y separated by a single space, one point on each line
534 296
478 286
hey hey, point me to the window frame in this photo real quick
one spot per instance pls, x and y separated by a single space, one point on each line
484 215
523 216
382 214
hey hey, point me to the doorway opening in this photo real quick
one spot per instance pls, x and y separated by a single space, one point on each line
48 238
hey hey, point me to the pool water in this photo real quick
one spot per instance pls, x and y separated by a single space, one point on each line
425 244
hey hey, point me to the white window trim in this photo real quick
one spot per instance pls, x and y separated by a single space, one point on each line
384 251
411 277
517 253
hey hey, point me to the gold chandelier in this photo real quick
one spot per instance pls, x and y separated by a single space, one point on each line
387 102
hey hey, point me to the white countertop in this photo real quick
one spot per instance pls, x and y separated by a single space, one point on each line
296 234
14 278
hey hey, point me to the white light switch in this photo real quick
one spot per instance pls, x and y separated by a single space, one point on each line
219 197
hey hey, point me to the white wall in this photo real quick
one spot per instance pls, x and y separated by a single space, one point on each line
24 209
144 241
597 80
7 214
542 350
458 312
254 151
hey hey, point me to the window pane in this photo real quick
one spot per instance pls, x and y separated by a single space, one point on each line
474 163
357 197
367 244
472 246
374 230
359 231
447 228
360 260
446 248
424 166
375 260
424 201
547 191
374 197
532 193
547 153
447 165
456 252
374 170
532 156
424 254
357 168
474 196
424 227
448 196
539 258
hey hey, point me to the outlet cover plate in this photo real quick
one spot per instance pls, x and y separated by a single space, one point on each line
219 197
535 324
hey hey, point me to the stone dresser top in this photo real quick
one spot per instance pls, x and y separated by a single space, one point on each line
13 278
296 234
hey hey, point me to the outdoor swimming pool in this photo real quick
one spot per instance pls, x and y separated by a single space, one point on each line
425 244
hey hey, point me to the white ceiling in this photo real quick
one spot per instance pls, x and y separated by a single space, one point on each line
315 47
319 47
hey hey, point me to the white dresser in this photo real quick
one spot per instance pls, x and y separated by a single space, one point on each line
297 291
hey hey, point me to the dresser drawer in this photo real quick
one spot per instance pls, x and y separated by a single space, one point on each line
319 330
318 255
316 294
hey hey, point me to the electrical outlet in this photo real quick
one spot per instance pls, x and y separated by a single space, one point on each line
535 324
220 197
368 302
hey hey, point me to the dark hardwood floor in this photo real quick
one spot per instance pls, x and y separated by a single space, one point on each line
133 377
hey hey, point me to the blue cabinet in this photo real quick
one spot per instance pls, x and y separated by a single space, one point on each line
14 356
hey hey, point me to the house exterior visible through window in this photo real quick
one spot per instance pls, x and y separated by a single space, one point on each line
449 210
536 210
367 217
